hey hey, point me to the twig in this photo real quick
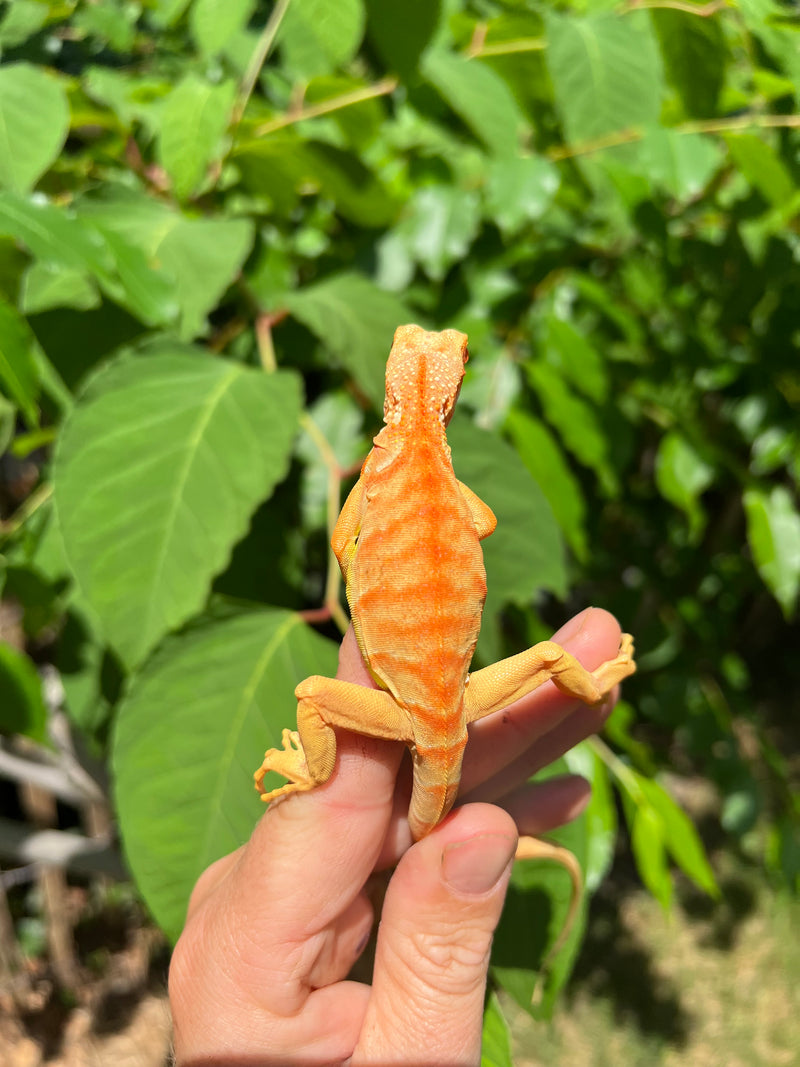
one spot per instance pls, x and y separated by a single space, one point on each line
325 107
331 607
31 504
258 58
629 136
703 11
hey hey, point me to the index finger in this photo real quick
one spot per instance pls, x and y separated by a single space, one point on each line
308 858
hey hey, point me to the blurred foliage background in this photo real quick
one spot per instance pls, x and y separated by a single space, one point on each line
213 214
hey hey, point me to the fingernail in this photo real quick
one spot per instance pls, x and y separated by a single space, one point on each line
476 865
570 630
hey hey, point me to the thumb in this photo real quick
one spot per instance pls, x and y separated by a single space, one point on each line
439 916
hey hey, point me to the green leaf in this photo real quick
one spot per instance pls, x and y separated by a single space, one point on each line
401 30
525 554
441 223
519 190
18 373
354 320
682 476
606 72
20 21
762 167
695 57
576 358
8 424
496 1036
200 255
681 837
773 533
480 98
189 735
58 236
22 708
576 422
682 164
317 36
214 22
193 120
157 472
533 918
34 121
600 814
647 842
540 453
49 285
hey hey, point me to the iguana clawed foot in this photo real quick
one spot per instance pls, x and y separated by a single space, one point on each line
614 670
290 761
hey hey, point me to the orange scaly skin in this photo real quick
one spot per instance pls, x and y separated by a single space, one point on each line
408 543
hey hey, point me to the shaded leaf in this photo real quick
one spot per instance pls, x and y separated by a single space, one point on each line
525 554
576 422
541 454
480 98
34 121
183 755
576 358
356 321
694 54
18 374
22 708
157 472
401 30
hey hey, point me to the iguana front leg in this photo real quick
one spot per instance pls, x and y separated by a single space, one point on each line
308 755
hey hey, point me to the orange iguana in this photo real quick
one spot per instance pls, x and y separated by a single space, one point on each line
408 543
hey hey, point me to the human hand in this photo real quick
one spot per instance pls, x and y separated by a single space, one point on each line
259 975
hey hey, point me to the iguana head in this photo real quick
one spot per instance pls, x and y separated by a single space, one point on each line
423 374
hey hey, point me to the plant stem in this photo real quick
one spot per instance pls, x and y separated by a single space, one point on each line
258 58
325 107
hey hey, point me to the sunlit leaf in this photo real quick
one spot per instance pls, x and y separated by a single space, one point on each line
34 120
606 72
193 120
214 22
773 533
317 36
157 472
184 755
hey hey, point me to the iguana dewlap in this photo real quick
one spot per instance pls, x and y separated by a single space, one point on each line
408 543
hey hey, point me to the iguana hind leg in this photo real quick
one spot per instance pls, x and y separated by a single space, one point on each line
308 755
499 685
532 848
